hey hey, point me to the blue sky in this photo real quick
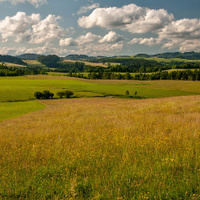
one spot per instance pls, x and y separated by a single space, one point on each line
103 27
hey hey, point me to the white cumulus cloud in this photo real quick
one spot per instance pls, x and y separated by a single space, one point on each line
183 34
85 9
130 17
46 30
146 41
112 37
68 42
32 29
17 25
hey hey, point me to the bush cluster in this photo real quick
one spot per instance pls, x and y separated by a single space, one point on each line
44 95
67 94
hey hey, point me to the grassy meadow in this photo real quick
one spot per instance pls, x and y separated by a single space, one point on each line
103 148
12 64
14 109
143 147
86 63
168 60
23 88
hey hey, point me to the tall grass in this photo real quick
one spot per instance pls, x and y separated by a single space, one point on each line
103 149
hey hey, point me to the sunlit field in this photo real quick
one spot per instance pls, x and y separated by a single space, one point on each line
103 148
23 88
87 63
14 109
34 63
12 64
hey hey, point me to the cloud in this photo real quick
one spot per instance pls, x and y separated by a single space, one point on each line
17 25
85 9
146 41
36 3
46 30
130 17
94 44
112 37
88 38
99 49
81 40
68 42
30 28
183 34
183 28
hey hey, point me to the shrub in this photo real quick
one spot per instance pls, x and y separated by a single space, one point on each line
61 94
68 93
38 95
43 95
127 93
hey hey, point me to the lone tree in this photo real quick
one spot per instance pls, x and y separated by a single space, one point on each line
127 93
38 95
61 94
68 93
46 94
135 93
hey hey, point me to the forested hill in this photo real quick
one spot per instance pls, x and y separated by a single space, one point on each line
29 56
12 59
187 55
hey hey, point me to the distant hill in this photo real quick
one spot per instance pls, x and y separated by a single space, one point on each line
76 57
12 59
187 55
142 55
29 56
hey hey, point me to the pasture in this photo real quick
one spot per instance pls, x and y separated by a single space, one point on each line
34 63
169 60
138 147
102 148
89 63
12 64
23 88
14 109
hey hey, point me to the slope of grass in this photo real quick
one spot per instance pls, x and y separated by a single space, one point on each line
86 63
103 149
23 88
34 63
14 109
13 64
168 60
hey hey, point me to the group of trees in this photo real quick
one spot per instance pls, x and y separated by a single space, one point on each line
66 93
165 75
50 60
48 95
17 71
12 59
44 95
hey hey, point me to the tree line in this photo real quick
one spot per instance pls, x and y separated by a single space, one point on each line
17 71
114 64
165 75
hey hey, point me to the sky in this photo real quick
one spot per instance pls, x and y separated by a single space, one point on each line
99 27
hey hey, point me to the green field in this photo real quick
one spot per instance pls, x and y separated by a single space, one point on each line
108 147
14 109
168 60
12 64
34 63
23 88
